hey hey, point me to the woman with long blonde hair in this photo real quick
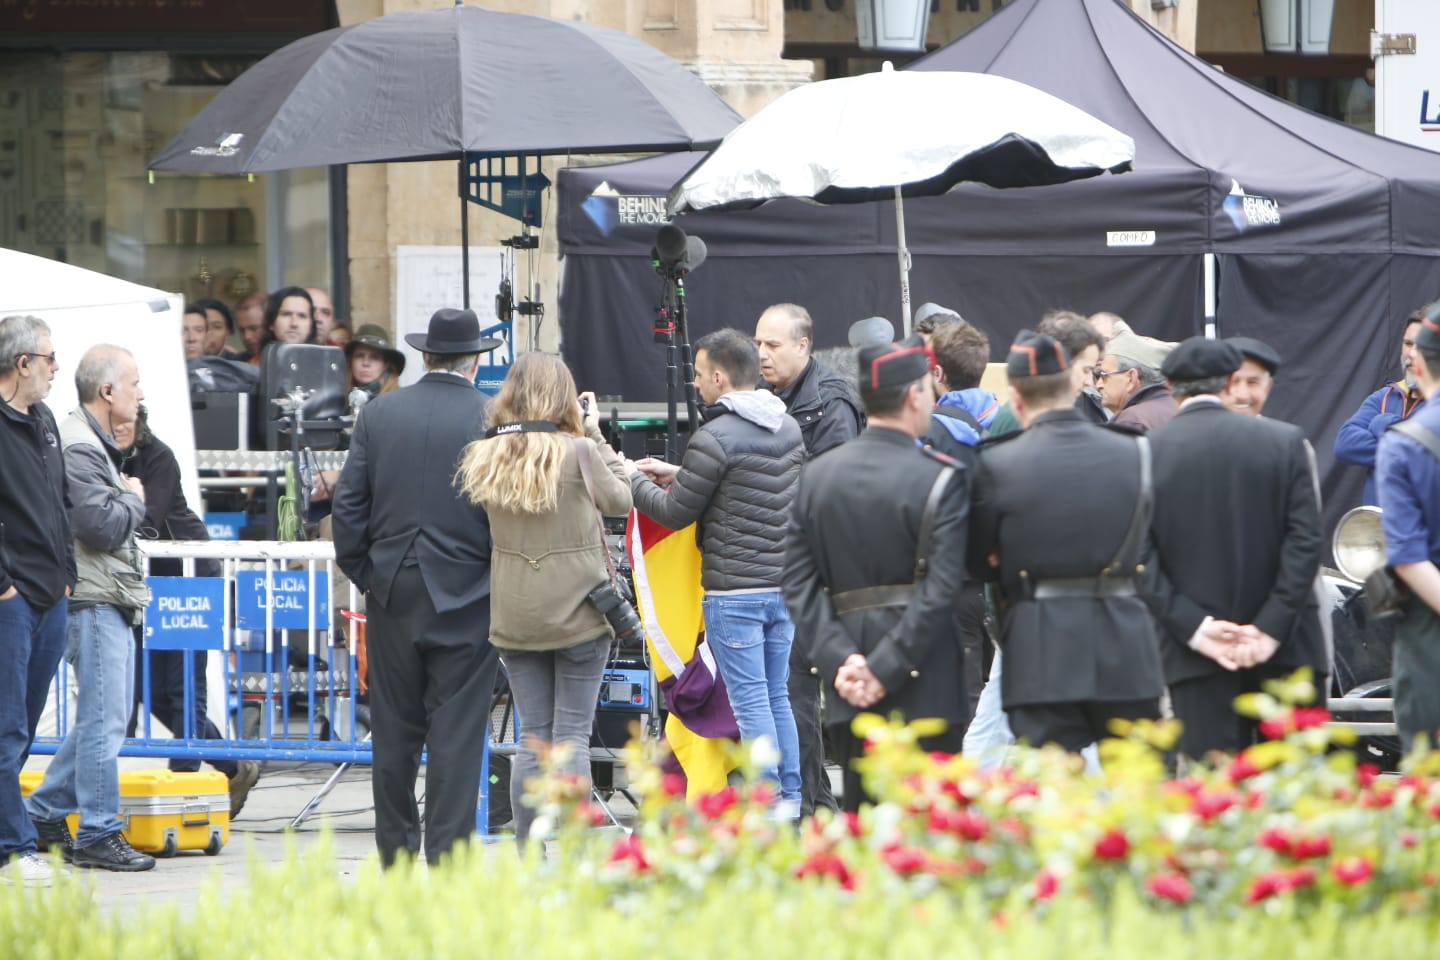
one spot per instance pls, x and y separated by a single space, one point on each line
548 555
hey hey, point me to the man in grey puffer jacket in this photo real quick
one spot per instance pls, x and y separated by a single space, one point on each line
737 479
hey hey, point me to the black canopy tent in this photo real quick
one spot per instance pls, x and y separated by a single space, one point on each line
1324 237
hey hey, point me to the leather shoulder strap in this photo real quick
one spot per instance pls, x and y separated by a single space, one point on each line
1144 506
1420 434
927 520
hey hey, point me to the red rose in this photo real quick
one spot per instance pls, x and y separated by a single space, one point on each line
1046 883
1241 768
1170 886
952 790
629 849
1311 848
762 794
1352 871
1300 877
1112 845
673 785
1266 885
827 865
714 804
1366 773
1276 727
1208 806
903 860
1307 717
852 823
1277 840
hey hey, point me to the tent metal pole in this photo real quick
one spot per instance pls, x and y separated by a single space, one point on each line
904 255
464 234
1212 330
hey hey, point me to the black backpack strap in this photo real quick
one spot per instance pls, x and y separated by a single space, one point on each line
1144 506
927 521
1420 434
961 414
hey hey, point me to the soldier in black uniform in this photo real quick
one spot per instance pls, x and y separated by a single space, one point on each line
879 635
1079 646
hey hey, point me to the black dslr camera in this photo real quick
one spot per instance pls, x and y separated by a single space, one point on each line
619 612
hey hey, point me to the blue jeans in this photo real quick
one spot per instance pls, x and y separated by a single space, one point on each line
84 775
556 693
31 642
750 635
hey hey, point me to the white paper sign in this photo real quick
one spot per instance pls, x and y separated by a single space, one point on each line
428 279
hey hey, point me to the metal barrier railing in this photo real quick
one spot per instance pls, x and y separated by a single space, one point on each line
1364 705
283 701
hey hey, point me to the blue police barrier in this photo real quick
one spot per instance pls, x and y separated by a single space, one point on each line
224 525
248 616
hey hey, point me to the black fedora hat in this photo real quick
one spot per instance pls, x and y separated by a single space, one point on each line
452 331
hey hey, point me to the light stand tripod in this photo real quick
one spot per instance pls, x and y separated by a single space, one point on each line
674 256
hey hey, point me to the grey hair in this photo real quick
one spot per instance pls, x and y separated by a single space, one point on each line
1148 374
19 335
451 362
802 327
103 365
1185 389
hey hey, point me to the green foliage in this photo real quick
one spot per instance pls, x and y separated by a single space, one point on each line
1285 850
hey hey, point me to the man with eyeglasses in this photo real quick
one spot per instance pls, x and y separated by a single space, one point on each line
37 572
1131 385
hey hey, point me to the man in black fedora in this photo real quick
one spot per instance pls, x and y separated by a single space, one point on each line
421 553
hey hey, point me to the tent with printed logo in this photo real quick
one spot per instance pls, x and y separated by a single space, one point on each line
1311 235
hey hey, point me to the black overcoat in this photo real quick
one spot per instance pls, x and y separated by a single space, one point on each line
1055 503
396 495
855 523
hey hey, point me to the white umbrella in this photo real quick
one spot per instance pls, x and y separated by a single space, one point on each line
902 134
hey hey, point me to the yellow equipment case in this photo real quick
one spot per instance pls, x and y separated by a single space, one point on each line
165 812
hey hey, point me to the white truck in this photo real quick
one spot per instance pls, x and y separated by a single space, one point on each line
1406 46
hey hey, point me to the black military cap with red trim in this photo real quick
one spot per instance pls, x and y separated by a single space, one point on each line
884 365
1035 355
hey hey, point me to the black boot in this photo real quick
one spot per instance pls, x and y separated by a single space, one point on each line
112 853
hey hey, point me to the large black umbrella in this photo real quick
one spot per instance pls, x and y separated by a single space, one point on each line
454 83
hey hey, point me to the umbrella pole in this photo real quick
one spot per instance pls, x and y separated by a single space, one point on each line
464 236
904 255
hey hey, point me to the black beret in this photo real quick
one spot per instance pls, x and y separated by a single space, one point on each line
1035 355
1428 336
885 365
1257 350
1201 358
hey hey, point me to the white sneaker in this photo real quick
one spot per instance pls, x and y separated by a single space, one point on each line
28 870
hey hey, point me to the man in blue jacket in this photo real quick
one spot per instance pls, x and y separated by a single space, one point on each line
1359 437
1408 477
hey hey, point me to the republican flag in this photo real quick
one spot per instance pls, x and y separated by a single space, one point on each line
666 566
